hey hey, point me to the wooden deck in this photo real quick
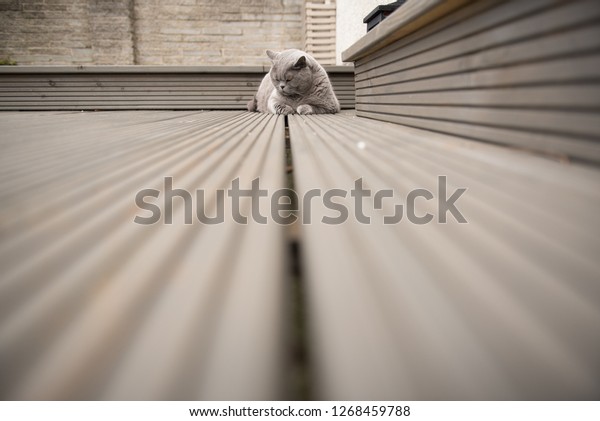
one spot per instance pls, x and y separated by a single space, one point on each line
497 305
498 100
91 303
519 73
504 307
143 87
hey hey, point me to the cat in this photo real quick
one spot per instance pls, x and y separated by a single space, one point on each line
296 84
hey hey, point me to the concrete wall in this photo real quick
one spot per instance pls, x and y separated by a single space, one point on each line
178 32
349 22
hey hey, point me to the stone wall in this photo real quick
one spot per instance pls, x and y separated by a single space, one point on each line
153 32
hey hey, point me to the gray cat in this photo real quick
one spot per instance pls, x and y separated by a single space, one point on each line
296 83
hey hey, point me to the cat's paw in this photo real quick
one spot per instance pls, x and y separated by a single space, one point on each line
305 109
284 109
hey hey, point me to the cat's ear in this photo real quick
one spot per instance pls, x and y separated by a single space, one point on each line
300 64
272 54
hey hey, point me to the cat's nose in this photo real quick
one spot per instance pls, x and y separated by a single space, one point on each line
281 85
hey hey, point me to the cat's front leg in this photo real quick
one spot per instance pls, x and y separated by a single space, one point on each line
283 109
305 109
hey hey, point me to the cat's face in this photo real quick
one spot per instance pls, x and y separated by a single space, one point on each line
291 73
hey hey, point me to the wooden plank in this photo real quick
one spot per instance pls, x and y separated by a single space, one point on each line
125 106
469 20
451 76
320 33
136 81
346 102
124 95
141 72
315 49
121 93
569 124
90 299
574 97
313 43
346 105
455 18
320 6
320 27
325 13
562 145
132 69
320 36
408 312
329 19
555 19
40 88
133 90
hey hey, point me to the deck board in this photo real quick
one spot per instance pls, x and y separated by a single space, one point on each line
94 306
505 306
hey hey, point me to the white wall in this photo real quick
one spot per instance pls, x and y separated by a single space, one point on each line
349 22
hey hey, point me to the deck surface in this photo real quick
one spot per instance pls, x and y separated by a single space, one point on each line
505 306
95 306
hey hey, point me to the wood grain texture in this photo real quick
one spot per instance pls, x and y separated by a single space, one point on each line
503 72
503 307
89 299
131 87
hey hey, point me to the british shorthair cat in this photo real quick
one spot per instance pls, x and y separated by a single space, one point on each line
296 84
